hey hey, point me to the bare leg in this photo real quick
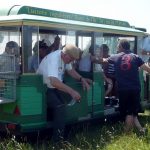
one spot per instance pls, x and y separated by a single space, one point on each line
129 123
109 87
137 124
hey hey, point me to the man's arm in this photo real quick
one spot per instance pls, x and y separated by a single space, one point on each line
85 82
144 52
145 67
74 74
65 88
99 60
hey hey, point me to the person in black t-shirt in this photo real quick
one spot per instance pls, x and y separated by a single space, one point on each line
127 66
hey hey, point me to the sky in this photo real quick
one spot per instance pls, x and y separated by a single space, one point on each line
136 12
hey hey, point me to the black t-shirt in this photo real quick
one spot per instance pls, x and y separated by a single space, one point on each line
127 70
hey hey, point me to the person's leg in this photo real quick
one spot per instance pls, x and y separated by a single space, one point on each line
142 130
137 124
59 123
114 89
124 104
109 86
129 123
134 108
55 104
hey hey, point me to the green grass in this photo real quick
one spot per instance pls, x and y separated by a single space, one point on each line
90 136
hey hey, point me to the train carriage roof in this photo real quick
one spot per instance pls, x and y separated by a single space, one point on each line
27 15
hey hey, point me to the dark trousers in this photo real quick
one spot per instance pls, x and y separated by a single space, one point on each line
56 112
129 102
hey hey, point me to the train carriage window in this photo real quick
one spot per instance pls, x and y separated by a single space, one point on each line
30 35
10 62
99 40
9 34
140 40
84 43
71 37
112 42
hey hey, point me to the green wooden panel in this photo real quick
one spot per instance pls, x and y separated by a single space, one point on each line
78 109
7 108
33 126
31 101
21 119
95 94
30 96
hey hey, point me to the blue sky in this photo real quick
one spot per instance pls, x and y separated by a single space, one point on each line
136 12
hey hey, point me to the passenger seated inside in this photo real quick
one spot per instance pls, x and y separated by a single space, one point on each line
9 65
109 71
35 59
109 76
7 59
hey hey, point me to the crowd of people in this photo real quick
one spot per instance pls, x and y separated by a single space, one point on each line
120 70
126 65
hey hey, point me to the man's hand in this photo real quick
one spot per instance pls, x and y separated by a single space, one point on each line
97 59
143 52
86 83
75 95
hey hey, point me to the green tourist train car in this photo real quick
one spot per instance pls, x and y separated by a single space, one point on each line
23 105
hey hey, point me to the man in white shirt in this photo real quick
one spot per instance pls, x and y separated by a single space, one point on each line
52 68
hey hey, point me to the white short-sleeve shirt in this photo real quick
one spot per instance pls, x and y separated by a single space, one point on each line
53 66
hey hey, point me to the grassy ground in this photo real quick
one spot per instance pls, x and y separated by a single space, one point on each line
90 136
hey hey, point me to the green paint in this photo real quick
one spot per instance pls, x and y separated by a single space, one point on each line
16 10
70 16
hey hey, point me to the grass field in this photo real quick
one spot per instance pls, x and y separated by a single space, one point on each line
97 135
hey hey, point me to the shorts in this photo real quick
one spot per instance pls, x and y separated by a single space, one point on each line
129 102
